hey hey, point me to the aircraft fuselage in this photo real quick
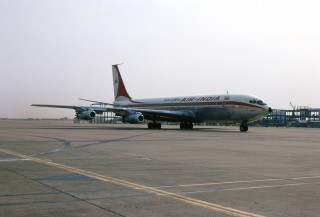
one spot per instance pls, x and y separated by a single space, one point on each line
224 108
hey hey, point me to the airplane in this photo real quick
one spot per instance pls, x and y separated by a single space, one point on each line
217 108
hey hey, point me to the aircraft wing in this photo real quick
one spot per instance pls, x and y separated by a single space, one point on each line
147 113
98 110
155 113
183 115
56 106
97 102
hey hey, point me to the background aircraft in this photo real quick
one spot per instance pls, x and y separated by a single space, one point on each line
222 108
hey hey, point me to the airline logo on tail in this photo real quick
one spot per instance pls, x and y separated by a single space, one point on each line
120 92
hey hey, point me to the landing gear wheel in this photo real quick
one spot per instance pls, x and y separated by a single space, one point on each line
182 126
243 128
186 125
154 125
158 125
190 125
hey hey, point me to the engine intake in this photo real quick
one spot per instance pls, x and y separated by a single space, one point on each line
136 118
86 115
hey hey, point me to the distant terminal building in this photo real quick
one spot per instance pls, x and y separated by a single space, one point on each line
302 116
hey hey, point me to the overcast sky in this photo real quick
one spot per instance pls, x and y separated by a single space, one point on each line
56 51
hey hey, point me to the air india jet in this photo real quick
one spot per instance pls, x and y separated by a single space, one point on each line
216 108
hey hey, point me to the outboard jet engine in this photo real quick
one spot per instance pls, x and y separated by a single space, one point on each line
86 114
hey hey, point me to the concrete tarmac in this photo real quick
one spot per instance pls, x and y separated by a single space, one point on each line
56 168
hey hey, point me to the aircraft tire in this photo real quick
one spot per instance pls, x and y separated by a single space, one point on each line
243 128
182 126
158 125
186 126
191 126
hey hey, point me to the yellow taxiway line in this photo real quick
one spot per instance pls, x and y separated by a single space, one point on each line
200 203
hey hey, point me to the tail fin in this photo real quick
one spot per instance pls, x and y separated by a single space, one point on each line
120 92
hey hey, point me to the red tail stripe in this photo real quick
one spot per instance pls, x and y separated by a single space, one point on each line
121 88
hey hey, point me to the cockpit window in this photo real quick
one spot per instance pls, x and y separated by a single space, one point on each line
260 102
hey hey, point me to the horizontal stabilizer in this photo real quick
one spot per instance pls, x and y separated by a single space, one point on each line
98 102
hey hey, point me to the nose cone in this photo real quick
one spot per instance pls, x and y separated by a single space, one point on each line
270 110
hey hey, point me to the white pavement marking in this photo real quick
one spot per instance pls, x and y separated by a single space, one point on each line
237 182
13 159
245 188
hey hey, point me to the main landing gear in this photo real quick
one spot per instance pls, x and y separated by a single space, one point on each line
154 125
186 126
183 125
243 128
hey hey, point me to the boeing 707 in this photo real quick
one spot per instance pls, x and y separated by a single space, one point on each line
217 108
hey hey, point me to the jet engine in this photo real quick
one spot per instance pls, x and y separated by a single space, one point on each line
136 118
87 114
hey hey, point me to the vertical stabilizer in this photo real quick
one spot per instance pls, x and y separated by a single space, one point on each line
120 92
